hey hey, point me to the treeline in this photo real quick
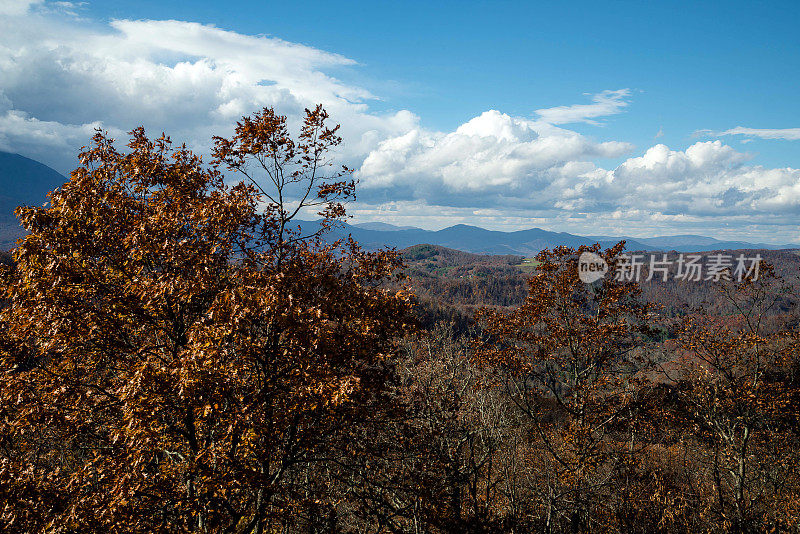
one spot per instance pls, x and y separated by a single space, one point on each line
450 286
176 358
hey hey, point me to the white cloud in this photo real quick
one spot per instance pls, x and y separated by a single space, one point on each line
61 78
533 171
605 103
492 151
707 179
789 134
191 80
71 9
41 139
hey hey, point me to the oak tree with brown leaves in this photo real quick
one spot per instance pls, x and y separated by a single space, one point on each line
176 357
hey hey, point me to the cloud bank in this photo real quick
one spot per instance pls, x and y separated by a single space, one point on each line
61 77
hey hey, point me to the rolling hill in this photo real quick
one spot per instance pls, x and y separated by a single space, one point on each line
529 242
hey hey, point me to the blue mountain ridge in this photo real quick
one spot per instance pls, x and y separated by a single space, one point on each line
525 242
24 181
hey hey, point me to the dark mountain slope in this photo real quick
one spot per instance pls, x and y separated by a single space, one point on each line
23 181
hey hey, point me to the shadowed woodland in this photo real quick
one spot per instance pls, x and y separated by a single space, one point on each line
178 356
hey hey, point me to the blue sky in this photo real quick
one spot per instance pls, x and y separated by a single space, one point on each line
431 94
691 65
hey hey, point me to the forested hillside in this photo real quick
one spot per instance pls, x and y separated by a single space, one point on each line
451 285
177 357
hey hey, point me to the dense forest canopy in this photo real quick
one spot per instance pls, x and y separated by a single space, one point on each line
178 356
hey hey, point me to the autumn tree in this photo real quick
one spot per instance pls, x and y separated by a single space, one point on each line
462 423
572 353
464 426
737 389
176 357
289 176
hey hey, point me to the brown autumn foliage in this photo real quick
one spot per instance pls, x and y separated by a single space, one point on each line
451 285
176 360
572 353
738 392
177 356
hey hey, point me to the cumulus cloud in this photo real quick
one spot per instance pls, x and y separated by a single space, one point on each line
492 152
60 79
531 171
42 140
789 134
707 179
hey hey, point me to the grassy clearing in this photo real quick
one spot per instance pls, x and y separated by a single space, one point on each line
528 265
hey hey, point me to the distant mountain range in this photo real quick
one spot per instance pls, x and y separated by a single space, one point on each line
24 181
529 242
